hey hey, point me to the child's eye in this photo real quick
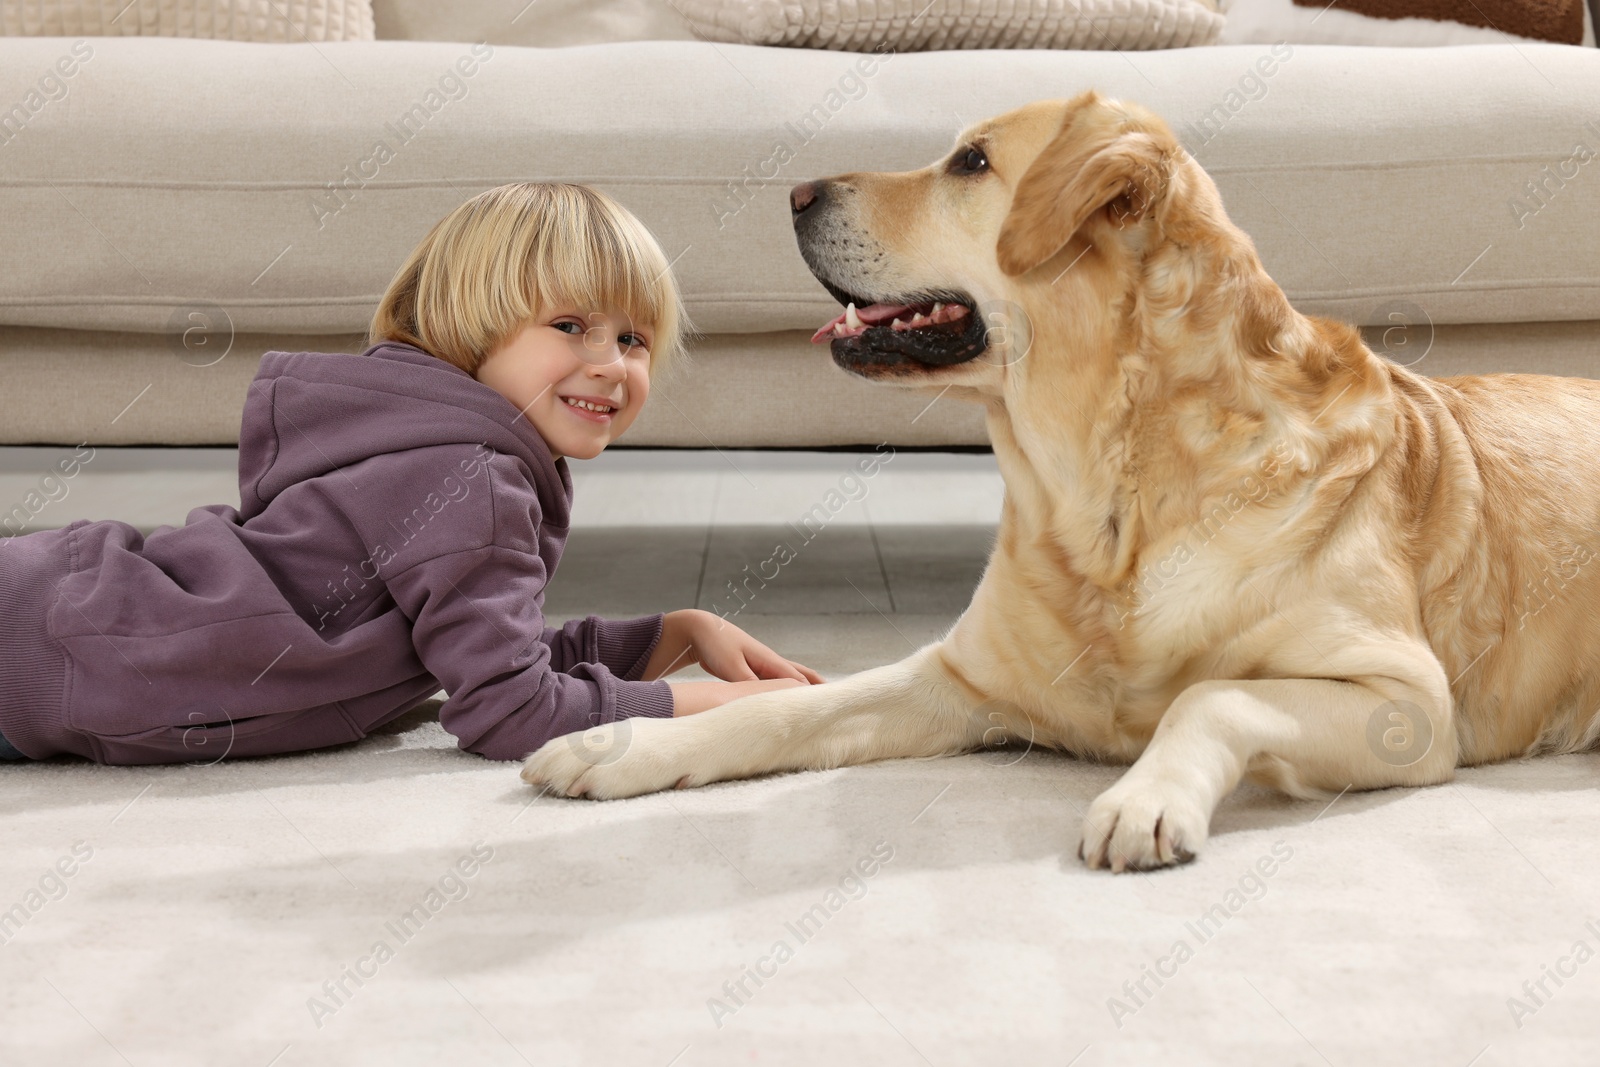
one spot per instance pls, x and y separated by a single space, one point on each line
639 340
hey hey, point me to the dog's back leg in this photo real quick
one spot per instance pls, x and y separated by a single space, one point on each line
910 708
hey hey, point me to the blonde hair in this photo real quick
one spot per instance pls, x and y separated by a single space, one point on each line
512 252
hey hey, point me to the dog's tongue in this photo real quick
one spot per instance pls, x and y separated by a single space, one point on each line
871 315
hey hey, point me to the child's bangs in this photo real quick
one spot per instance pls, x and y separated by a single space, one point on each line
514 251
593 259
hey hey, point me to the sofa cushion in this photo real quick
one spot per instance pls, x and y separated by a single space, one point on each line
265 21
289 190
909 25
545 24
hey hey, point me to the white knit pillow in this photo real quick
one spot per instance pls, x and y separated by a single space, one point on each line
267 21
928 25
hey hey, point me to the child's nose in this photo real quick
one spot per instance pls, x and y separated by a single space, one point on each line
607 363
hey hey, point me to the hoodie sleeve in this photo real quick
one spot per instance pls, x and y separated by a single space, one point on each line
622 645
477 627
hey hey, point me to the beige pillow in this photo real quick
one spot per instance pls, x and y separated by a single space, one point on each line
269 21
543 24
929 25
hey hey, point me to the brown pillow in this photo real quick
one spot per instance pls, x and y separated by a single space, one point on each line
1551 20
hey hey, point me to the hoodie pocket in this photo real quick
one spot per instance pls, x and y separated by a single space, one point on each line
211 742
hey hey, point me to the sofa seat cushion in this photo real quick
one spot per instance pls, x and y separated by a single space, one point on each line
286 183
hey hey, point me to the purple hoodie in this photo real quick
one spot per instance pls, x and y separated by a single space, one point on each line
399 522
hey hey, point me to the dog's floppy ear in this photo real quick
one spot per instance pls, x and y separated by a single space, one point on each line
1074 177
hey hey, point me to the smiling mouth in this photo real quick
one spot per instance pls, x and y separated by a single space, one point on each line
928 329
590 408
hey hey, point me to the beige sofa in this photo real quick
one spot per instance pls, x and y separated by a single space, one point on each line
180 184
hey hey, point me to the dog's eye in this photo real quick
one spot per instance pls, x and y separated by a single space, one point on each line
972 161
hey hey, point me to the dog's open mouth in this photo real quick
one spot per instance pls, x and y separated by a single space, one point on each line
933 329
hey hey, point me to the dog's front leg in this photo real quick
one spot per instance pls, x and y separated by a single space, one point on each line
1309 736
908 708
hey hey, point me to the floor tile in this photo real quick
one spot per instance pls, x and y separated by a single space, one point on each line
624 571
654 487
954 493
828 494
792 571
933 569
145 487
644 489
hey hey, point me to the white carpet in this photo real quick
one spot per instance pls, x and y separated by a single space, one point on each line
217 901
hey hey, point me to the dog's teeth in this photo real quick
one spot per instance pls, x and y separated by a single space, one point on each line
900 324
937 308
921 320
838 329
851 318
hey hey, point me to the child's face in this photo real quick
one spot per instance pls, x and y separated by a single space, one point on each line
564 357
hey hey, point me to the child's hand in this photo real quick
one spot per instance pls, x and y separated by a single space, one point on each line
724 650
729 653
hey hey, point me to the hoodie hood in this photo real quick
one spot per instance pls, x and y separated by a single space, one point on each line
309 413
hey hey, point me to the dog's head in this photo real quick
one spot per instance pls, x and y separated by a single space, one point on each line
1037 236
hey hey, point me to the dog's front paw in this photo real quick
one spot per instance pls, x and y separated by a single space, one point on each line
620 759
1135 826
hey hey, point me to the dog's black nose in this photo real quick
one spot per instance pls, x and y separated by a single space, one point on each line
803 196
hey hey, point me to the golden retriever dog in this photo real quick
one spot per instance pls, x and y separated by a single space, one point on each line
1235 541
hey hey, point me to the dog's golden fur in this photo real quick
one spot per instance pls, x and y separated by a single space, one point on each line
1234 540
